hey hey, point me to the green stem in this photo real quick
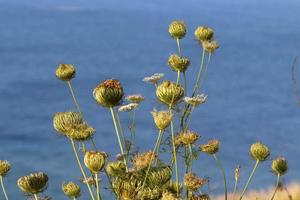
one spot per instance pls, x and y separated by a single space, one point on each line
205 71
175 156
119 139
151 159
249 180
3 188
235 187
36 197
158 146
97 186
121 128
81 169
196 86
276 188
189 118
178 46
223 174
74 98
191 156
74 198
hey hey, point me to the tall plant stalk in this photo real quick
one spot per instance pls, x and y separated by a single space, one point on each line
276 187
3 188
97 186
36 197
223 173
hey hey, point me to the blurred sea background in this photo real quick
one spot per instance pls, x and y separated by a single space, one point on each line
249 84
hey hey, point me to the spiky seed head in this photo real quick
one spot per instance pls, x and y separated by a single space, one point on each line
204 33
186 138
126 187
81 132
143 160
109 93
162 119
280 166
154 78
71 189
135 98
116 168
65 72
159 176
128 107
259 151
200 197
212 147
149 193
178 63
210 46
195 101
169 93
33 183
177 29
95 160
192 182
4 167
63 121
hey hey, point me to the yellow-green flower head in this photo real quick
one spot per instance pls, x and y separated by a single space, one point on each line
115 168
178 63
195 101
169 196
169 93
71 189
150 193
177 29
126 187
204 33
143 160
109 93
172 187
280 166
81 132
259 151
186 138
210 46
192 182
4 167
135 98
65 72
159 176
62 121
212 147
162 119
200 197
33 183
95 160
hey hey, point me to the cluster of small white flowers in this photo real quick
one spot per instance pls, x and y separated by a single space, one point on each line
154 78
135 98
129 107
197 100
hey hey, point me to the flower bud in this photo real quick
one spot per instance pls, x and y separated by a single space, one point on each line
280 166
4 167
259 151
177 29
162 119
65 72
212 147
192 182
33 183
95 160
109 93
203 33
71 189
178 63
169 93
63 121
210 46
116 168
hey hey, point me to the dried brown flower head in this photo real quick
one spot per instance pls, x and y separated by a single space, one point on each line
212 147
192 182
143 160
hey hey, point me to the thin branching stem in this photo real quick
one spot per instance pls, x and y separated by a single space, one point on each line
158 146
118 136
175 157
249 180
223 174
97 186
121 128
81 169
235 187
276 187
3 188
190 156
178 46
196 86
190 117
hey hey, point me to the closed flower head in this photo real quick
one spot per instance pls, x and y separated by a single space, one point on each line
33 183
177 29
109 93
192 182
204 33
116 168
169 93
210 46
81 132
4 167
65 72
63 121
259 151
280 166
178 63
95 160
71 189
212 147
162 119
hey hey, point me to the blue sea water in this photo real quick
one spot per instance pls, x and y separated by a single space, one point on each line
249 84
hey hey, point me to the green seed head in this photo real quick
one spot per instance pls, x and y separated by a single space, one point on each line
212 147
95 160
65 72
63 121
178 63
177 29
259 151
71 189
116 168
4 167
81 132
169 93
109 93
203 33
33 183
280 166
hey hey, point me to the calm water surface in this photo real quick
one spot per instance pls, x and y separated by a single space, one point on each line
249 80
